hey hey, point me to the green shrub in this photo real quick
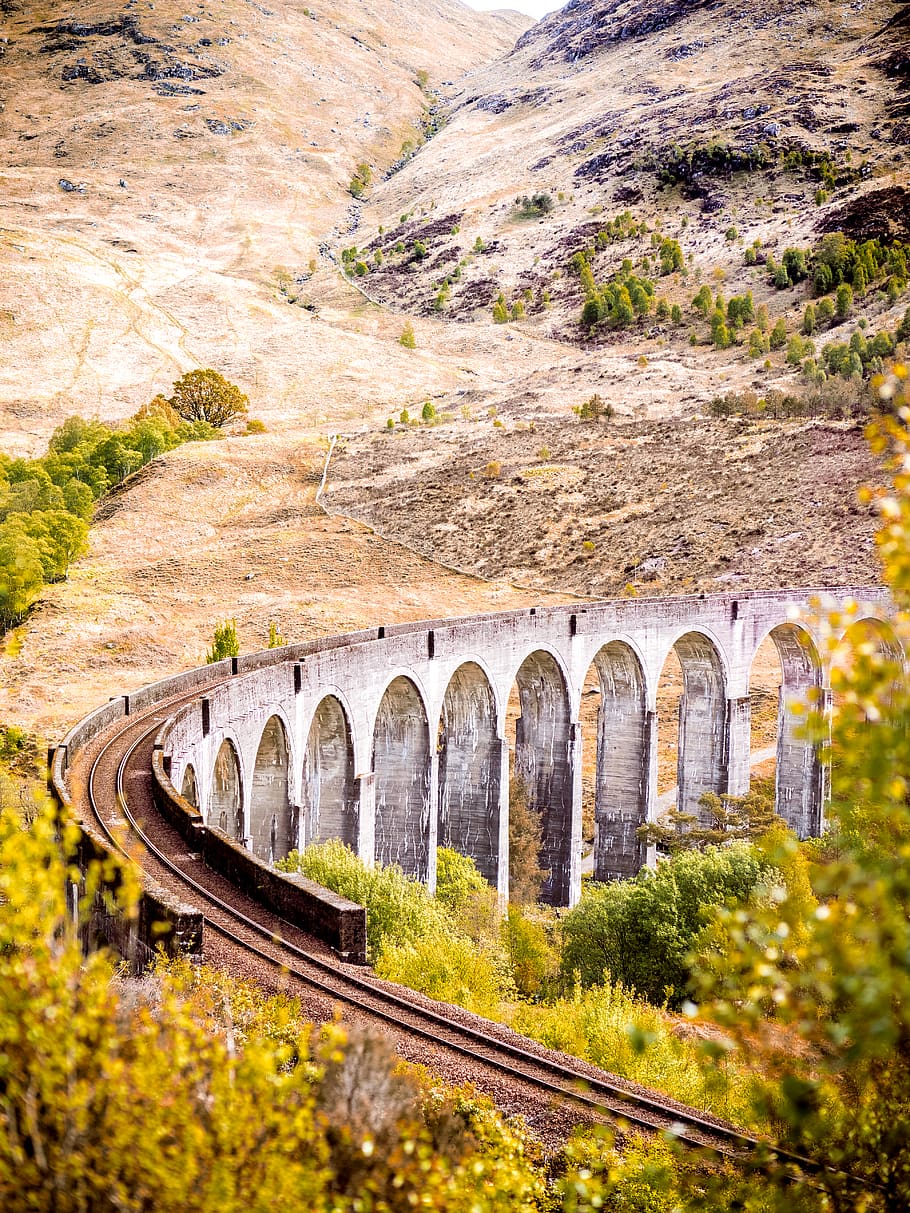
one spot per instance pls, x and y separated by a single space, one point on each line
363 176
413 937
798 349
607 1026
639 932
407 338
449 967
399 908
195 1092
533 962
740 310
778 338
671 256
594 408
535 206
590 313
703 301
21 573
457 879
794 262
224 642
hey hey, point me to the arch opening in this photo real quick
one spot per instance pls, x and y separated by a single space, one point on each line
329 797
615 713
188 788
273 829
799 787
470 771
692 688
870 636
401 763
226 800
543 773
765 699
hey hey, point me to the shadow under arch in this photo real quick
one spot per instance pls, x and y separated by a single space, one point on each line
799 783
701 755
470 770
401 765
624 730
188 787
272 818
226 799
543 762
328 785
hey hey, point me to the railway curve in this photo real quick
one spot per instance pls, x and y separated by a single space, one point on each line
104 776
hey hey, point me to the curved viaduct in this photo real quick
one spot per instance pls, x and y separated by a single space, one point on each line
394 740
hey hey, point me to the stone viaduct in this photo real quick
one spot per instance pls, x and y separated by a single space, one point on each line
395 740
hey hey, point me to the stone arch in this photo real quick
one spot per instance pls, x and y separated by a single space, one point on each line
470 770
188 787
703 724
544 761
799 786
226 799
872 630
401 764
273 828
624 729
328 786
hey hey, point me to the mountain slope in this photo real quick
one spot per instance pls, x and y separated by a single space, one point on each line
697 117
169 173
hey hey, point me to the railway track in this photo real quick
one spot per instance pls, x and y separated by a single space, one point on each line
548 1089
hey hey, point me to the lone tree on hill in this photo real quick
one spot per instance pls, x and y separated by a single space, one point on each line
207 396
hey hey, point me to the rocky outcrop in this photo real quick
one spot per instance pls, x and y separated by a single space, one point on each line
118 49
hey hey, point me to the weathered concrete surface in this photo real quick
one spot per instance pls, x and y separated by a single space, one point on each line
273 819
396 738
329 795
470 770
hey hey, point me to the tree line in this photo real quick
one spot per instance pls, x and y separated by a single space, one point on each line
46 503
